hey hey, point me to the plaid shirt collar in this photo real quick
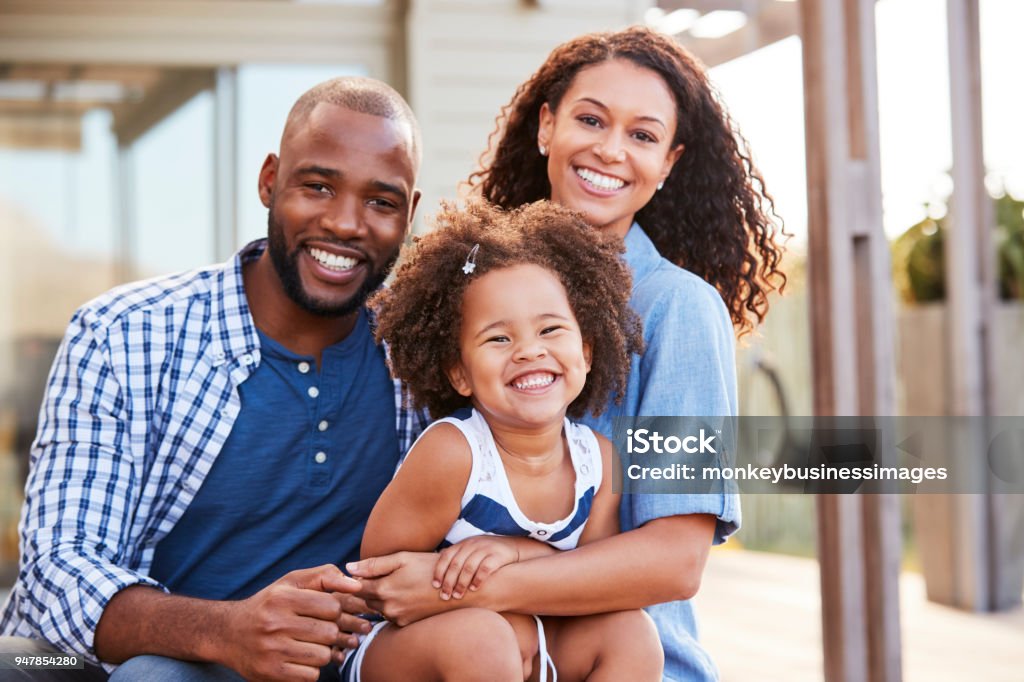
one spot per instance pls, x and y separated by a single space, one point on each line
229 304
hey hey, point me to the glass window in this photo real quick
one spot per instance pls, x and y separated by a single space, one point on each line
60 231
266 93
172 178
57 250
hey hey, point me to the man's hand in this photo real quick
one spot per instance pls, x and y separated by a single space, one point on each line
467 564
399 586
288 629
350 624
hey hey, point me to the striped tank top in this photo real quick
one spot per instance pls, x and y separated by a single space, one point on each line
488 505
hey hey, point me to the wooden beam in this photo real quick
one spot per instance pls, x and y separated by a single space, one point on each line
851 327
968 257
770 23
705 6
36 107
196 33
142 77
970 292
38 130
176 88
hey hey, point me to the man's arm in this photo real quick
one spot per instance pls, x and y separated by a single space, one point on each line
287 630
80 494
76 589
661 561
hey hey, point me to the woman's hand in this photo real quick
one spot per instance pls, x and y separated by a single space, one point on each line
400 586
468 564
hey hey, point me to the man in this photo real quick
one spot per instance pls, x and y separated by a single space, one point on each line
208 437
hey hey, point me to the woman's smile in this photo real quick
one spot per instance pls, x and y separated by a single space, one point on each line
610 142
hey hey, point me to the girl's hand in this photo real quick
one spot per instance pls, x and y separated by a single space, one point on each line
468 564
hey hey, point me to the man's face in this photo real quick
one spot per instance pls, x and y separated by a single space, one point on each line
341 198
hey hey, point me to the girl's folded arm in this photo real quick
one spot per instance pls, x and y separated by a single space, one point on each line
423 500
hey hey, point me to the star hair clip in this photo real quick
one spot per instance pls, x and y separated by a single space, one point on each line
470 264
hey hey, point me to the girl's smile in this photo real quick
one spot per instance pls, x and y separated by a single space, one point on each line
522 357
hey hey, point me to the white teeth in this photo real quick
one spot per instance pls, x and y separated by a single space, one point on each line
534 381
331 261
598 180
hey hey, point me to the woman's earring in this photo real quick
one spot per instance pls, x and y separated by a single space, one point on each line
542 149
661 184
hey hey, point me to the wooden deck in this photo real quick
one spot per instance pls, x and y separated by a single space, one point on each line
760 617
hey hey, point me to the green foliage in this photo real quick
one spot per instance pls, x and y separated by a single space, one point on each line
917 260
917 255
1010 247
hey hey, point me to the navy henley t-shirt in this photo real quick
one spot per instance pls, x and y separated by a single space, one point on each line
294 484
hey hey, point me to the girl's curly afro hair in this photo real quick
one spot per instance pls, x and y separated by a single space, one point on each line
419 316
713 216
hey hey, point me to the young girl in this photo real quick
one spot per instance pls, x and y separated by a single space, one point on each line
522 318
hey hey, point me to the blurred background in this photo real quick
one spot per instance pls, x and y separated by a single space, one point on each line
131 136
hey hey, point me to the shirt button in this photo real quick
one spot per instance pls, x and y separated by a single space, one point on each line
313 391
322 425
304 367
542 532
246 360
320 457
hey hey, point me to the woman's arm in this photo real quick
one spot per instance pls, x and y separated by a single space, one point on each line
423 500
688 370
658 562
603 521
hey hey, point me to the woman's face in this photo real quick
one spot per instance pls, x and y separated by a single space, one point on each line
610 142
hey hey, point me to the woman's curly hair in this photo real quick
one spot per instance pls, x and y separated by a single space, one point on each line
420 314
713 216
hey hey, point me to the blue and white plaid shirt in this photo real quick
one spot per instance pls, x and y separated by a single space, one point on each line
142 395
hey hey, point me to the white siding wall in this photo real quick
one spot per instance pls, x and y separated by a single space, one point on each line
197 33
466 58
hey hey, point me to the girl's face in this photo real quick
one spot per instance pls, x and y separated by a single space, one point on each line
610 142
522 357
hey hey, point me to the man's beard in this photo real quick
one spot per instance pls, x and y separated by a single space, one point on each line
287 267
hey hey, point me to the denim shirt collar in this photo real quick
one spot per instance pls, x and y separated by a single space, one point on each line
641 255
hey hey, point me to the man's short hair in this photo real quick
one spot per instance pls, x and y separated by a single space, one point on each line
363 95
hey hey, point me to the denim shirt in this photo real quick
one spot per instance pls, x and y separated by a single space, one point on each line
688 369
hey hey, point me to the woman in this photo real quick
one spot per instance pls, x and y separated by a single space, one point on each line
626 128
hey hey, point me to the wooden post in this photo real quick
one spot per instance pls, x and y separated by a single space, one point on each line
851 328
970 299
